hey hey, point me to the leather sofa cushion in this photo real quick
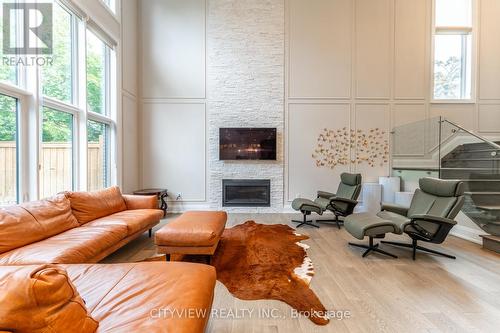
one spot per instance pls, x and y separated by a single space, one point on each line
134 220
38 299
18 228
54 214
194 228
34 221
88 206
130 297
72 246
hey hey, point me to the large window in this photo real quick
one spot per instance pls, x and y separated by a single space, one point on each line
57 110
8 150
56 158
97 70
453 27
57 76
98 107
98 155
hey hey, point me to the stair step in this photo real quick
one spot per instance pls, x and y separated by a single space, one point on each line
496 170
486 174
489 208
478 145
472 164
483 193
471 159
491 243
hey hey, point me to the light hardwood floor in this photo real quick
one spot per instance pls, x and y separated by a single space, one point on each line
432 294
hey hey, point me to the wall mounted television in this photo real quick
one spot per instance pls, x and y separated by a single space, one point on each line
247 143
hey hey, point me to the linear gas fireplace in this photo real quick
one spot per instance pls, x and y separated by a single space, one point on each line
246 193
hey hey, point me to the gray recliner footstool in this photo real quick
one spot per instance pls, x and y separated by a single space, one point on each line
368 225
341 203
429 218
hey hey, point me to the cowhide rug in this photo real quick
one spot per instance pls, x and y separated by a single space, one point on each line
258 261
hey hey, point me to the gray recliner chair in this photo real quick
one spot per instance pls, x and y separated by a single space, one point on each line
429 218
341 203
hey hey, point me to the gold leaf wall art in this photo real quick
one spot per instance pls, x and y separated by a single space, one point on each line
333 147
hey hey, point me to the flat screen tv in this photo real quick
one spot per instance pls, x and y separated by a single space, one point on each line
247 144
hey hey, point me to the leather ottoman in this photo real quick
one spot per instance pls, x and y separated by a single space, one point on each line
194 232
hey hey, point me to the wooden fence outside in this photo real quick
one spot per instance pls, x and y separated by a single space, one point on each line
56 172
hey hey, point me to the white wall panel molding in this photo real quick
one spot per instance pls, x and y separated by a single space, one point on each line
174 42
489 50
179 167
320 49
410 48
303 176
373 53
377 118
489 118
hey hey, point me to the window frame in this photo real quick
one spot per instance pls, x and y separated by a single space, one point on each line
22 140
455 30
30 103
74 60
108 150
19 136
109 115
59 106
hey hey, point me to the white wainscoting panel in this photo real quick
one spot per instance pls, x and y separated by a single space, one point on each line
173 48
173 149
410 49
373 117
413 134
462 114
129 45
373 48
489 52
320 48
131 177
489 117
306 122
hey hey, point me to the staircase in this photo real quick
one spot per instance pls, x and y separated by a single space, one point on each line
478 165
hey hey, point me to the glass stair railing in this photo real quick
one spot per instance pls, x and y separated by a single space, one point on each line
454 152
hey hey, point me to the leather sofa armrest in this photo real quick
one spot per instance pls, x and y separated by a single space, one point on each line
141 201
401 210
325 195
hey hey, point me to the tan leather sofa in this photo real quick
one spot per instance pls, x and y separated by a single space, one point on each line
77 228
136 297
74 227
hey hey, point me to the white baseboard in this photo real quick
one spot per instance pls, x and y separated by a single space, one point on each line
180 206
470 234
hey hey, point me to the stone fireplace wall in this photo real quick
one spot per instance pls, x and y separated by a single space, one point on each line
245 88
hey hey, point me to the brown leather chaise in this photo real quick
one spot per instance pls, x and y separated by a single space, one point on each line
136 297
